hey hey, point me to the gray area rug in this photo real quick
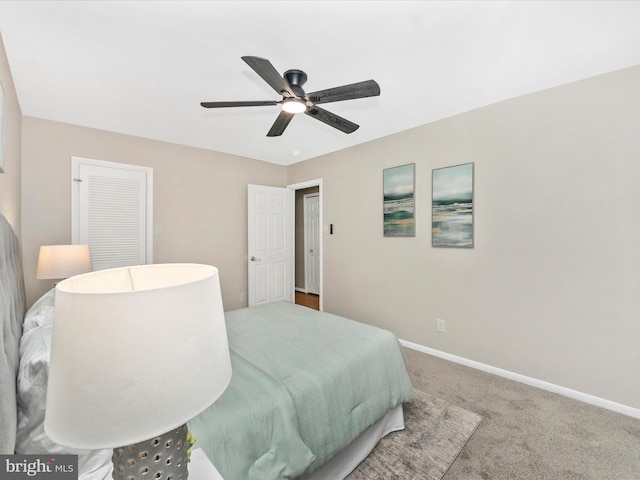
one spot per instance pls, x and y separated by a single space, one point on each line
435 433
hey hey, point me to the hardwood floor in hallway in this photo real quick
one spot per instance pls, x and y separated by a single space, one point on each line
308 300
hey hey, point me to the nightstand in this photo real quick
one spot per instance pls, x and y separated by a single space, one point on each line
201 468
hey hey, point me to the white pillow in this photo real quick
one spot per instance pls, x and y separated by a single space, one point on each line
33 375
41 311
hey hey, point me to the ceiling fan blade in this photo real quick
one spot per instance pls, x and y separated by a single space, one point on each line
332 119
269 74
368 88
257 103
280 124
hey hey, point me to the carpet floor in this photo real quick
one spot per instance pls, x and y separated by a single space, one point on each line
435 433
527 433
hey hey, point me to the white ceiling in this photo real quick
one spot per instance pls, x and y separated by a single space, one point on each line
143 67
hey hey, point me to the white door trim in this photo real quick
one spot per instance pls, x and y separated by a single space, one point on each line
298 186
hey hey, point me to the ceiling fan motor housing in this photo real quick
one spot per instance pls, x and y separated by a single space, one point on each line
295 79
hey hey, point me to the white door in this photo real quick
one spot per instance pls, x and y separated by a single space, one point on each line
270 244
312 243
111 210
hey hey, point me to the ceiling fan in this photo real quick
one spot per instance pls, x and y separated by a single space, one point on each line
295 100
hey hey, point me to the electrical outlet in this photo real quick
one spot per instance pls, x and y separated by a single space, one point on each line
440 325
243 297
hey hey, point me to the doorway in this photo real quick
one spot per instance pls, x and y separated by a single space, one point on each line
308 250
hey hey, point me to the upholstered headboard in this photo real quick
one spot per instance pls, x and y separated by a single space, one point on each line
12 309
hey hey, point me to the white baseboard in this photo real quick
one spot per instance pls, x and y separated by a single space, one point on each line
567 392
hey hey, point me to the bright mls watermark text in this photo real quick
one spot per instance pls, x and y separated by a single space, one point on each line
39 467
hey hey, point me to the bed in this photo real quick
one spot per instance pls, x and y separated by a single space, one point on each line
12 305
310 396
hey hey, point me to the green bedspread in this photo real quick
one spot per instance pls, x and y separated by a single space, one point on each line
305 384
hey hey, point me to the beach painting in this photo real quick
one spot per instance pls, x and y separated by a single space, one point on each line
452 206
399 203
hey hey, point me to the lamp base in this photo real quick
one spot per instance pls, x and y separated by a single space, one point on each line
161 458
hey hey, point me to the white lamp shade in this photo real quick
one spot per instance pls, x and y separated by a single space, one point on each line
63 261
136 352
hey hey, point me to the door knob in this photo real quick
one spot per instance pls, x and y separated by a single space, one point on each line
254 259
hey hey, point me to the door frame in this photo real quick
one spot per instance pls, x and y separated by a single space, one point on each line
299 186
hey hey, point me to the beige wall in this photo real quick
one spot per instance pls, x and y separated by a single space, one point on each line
200 198
10 179
552 288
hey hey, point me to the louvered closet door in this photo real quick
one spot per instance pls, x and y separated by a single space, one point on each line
112 214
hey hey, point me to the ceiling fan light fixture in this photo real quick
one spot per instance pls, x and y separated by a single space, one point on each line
294 105
295 100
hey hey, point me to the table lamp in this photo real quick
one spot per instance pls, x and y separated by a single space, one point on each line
62 261
136 353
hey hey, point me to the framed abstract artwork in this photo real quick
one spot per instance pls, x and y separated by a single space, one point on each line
399 205
452 206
